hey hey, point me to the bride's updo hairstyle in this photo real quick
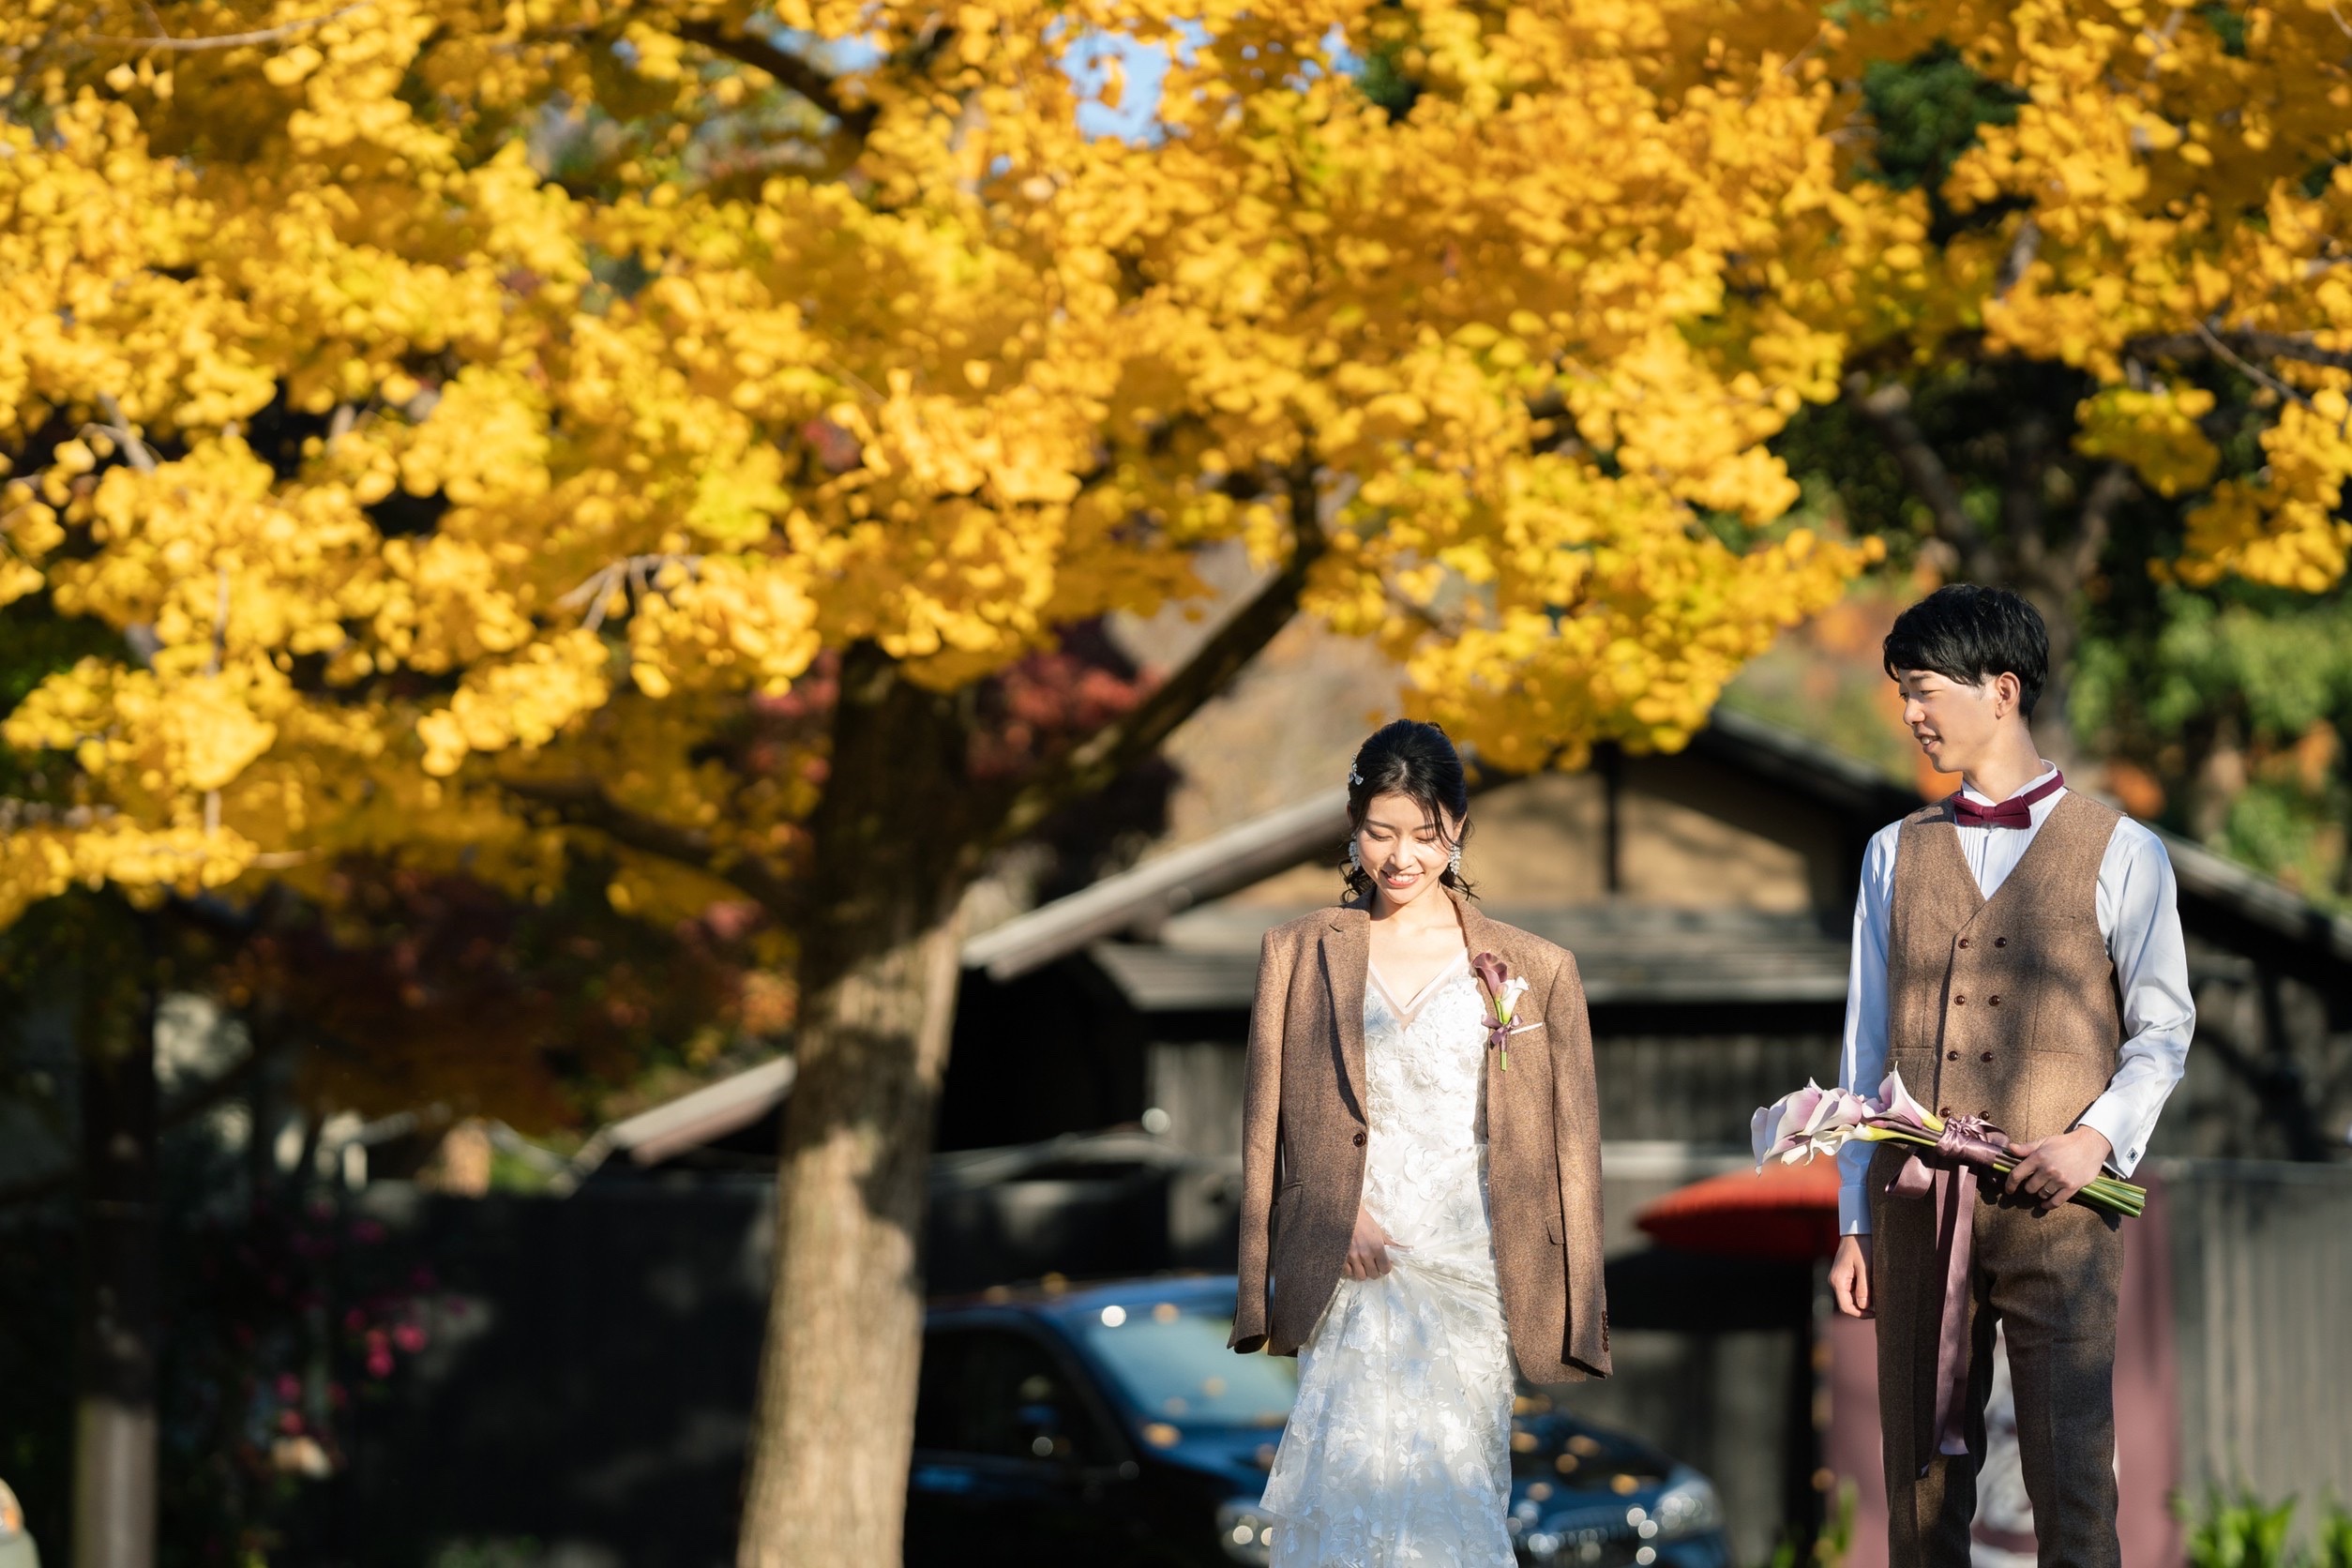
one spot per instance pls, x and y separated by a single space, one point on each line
1415 760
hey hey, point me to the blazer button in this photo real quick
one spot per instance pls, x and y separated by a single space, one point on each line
1963 941
2001 941
1943 1110
1986 1057
1959 1001
1993 1002
1952 1056
1359 1140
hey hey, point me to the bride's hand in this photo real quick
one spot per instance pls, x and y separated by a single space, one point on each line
1367 1249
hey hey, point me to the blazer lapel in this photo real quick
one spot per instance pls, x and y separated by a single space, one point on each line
1346 950
1482 935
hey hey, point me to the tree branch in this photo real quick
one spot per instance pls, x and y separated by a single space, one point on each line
2205 343
1122 742
789 69
583 803
2022 521
1888 410
2115 484
2021 253
235 40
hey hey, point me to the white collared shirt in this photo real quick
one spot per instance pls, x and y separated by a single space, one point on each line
2139 916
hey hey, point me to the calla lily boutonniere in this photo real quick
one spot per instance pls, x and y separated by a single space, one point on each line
1503 990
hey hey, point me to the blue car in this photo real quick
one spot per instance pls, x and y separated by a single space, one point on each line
1109 1426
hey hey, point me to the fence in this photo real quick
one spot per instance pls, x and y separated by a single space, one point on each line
2262 1299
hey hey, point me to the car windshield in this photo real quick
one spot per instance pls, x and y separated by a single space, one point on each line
1172 1364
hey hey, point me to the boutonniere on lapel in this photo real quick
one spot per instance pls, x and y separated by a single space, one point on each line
1503 990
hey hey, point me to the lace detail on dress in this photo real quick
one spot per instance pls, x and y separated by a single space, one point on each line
1397 1454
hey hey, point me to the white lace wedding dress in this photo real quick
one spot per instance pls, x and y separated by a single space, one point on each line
1397 1454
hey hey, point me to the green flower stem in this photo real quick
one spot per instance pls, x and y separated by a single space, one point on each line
2102 1192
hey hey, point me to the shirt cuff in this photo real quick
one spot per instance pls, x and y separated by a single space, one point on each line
2116 1123
1853 1210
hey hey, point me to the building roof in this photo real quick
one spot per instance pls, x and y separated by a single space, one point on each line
2220 900
2244 897
1624 955
1171 882
692 1120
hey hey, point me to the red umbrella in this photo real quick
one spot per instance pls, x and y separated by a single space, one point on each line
1789 1212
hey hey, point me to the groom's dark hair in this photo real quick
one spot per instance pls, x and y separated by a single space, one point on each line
1970 635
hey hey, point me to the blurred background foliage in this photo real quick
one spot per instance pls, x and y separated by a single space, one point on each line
2216 710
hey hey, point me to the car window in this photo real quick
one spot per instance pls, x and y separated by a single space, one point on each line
998 1393
1174 1365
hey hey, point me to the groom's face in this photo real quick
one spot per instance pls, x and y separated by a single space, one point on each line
1954 721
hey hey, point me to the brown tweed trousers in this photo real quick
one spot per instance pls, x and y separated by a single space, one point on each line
2005 1008
1303 1132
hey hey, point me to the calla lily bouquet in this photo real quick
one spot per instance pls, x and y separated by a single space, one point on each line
1816 1120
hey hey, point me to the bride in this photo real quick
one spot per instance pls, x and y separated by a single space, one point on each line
1422 1185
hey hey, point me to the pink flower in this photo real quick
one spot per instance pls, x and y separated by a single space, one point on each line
1503 991
1811 1121
1778 1129
1894 1102
409 1337
1492 971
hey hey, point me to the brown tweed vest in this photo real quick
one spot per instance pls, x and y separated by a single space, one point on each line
2003 1007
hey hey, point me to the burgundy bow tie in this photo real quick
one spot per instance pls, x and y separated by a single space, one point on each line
2016 811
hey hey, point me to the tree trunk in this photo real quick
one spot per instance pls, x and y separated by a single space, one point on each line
893 842
836 1416
114 1416
901 830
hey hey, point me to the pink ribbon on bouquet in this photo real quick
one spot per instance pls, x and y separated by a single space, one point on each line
1965 1143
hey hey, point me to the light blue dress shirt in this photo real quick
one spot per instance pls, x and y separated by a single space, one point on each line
2139 916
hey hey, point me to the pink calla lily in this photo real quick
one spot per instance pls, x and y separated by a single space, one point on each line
1502 995
1811 1121
1895 1103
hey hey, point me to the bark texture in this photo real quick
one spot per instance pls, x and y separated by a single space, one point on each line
115 1415
893 844
836 1412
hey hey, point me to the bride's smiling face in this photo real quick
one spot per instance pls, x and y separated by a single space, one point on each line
1404 846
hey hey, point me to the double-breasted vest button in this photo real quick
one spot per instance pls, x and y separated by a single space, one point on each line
1986 1057
1952 1056
2001 941
1359 1140
1963 941
1993 1000
1960 1001
1943 1110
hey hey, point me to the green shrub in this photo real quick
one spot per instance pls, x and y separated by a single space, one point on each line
2242 1531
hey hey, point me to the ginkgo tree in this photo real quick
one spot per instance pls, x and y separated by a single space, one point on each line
2118 357
473 425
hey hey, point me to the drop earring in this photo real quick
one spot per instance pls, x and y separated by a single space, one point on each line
1454 862
1355 857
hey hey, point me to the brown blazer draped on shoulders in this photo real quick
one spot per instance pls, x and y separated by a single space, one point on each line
1303 1135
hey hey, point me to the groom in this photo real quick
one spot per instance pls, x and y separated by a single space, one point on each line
2017 956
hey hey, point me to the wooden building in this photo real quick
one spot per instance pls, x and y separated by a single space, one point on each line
1707 897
